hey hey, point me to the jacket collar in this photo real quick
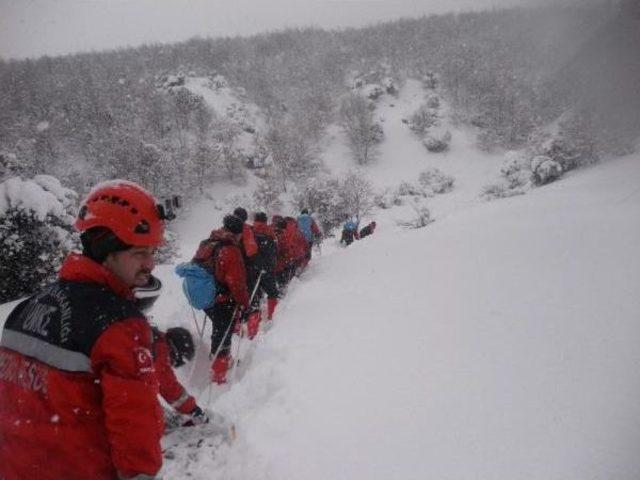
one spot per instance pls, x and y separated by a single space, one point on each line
224 236
80 268
262 228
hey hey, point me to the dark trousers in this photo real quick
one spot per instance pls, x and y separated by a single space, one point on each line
268 285
347 237
221 315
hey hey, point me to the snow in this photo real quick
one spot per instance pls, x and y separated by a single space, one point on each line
498 342
42 126
43 196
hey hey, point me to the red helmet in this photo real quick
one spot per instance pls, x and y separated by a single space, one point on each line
126 209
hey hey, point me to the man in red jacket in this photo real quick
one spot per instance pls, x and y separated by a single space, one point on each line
232 296
78 391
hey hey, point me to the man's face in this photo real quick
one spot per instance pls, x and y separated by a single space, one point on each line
132 266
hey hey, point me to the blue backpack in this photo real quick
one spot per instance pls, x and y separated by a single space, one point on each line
198 285
304 225
350 226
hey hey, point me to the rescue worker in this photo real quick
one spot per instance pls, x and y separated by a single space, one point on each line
78 391
266 262
232 296
367 230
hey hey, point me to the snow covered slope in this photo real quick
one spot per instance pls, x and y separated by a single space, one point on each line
497 343
500 342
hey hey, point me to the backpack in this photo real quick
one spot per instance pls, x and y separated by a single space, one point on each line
350 226
304 224
198 280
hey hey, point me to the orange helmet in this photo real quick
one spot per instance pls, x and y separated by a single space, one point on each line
126 209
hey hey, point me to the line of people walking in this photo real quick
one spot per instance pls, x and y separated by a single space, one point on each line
247 264
81 368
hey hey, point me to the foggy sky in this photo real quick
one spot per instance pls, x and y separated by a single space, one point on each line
31 28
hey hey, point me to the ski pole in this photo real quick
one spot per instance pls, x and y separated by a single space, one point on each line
193 313
226 333
236 359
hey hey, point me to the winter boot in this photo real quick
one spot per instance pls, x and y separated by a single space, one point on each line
271 306
219 368
253 324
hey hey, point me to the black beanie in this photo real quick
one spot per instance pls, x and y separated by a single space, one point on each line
233 224
260 217
241 213
99 242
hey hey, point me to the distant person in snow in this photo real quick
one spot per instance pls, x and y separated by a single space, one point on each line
266 262
221 255
309 229
78 390
349 231
171 349
368 230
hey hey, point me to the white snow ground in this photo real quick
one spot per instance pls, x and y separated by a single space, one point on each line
498 342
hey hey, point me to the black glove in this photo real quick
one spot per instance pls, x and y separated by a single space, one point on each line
198 417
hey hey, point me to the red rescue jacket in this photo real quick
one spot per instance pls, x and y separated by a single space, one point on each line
78 392
229 270
170 388
249 244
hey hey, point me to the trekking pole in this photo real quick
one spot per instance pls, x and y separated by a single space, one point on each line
236 358
213 356
195 320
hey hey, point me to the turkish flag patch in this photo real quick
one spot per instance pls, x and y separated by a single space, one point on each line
144 360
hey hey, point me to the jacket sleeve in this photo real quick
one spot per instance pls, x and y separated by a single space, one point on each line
121 358
315 230
170 388
234 274
249 241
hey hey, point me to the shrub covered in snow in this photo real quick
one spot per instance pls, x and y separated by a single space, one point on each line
515 169
544 170
390 86
433 180
430 81
409 189
423 119
372 91
421 219
387 199
433 101
437 143
36 233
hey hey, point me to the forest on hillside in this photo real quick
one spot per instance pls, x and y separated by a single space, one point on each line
509 74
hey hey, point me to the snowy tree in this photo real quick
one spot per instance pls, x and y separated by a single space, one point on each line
423 119
266 196
544 170
322 197
437 143
362 131
356 195
36 218
294 155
